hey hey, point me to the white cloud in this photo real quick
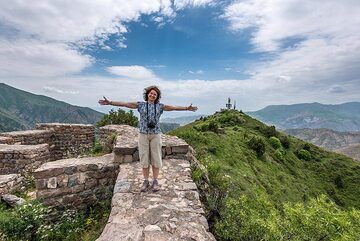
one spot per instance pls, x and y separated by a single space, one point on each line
180 4
313 44
196 72
36 58
132 72
53 89
41 36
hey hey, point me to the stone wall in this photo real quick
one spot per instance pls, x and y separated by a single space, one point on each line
6 140
76 182
22 158
70 140
29 137
10 182
125 147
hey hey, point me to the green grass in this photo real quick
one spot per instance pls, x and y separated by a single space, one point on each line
234 169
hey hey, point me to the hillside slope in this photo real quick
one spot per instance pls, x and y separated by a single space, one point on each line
346 143
342 117
243 156
20 110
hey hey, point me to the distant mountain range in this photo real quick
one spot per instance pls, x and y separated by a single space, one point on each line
347 143
182 120
20 110
341 117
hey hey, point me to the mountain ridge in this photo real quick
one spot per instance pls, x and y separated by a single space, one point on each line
21 110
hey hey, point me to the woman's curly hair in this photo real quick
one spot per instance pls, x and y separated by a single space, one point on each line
148 89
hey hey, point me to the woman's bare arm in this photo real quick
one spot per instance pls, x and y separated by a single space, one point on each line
171 108
131 105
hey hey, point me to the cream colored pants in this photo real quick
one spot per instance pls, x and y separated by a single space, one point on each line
150 150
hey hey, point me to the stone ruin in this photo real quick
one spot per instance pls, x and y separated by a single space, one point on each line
65 180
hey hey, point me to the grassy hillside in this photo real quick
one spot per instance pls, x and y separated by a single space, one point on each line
22 110
246 160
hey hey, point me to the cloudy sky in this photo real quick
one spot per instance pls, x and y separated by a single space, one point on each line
257 52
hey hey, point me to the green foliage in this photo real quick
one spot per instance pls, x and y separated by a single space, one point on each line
118 117
275 142
258 145
233 170
230 118
257 218
285 142
304 155
279 154
269 131
97 148
306 146
29 222
23 222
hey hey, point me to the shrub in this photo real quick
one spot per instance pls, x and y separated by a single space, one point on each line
306 146
269 131
213 126
279 154
118 117
23 222
285 142
97 147
257 218
230 118
304 155
257 144
275 142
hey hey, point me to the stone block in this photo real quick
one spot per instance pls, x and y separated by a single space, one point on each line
40 184
52 182
128 158
183 149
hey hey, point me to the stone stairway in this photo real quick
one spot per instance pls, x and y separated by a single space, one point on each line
173 213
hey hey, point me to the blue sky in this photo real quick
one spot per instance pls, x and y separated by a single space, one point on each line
256 52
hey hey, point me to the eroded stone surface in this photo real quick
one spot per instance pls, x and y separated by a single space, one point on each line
10 182
76 182
173 213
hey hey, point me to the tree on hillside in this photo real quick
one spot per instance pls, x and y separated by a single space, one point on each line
119 117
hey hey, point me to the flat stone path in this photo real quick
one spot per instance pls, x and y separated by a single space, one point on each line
173 213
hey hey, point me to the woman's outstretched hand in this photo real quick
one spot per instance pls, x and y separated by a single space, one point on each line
104 101
192 108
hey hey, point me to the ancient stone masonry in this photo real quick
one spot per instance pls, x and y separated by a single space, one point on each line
22 158
10 182
173 213
29 137
126 146
76 182
70 140
6 140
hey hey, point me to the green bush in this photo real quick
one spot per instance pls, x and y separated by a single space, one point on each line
97 148
269 131
258 145
279 154
306 146
23 222
257 218
285 142
230 118
304 155
275 142
118 117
